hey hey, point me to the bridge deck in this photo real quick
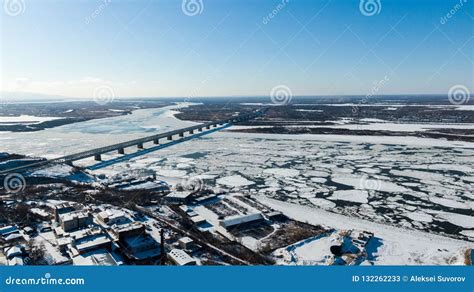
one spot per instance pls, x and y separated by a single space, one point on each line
154 148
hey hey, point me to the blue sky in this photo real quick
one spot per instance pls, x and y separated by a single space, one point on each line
151 48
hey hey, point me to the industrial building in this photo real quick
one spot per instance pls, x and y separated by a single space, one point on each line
185 242
233 221
90 239
63 208
125 230
74 220
7 230
39 214
139 248
181 258
111 217
184 197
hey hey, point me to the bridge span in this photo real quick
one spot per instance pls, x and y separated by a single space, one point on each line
197 130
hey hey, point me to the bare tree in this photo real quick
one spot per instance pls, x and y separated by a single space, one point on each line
36 252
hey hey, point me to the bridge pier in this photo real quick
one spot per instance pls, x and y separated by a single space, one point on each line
208 127
98 157
181 134
170 138
191 132
140 145
121 151
156 141
200 129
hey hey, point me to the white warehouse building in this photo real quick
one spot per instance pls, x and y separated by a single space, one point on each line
241 219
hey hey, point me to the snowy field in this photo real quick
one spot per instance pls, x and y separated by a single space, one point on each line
392 245
24 120
386 185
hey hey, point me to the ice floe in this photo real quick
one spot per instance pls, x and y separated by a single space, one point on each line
357 196
234 181
284 172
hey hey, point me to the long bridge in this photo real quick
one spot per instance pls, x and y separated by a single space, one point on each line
197 131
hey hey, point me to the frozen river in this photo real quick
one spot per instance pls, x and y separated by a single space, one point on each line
416 183
72 138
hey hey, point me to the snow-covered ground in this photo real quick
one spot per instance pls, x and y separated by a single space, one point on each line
397 127
312 251
398 246
375 125
24 120
392 105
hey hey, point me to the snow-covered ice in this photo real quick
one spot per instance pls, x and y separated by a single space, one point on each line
357 196
234 181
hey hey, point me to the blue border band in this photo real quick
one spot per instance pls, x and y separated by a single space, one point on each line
274 278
